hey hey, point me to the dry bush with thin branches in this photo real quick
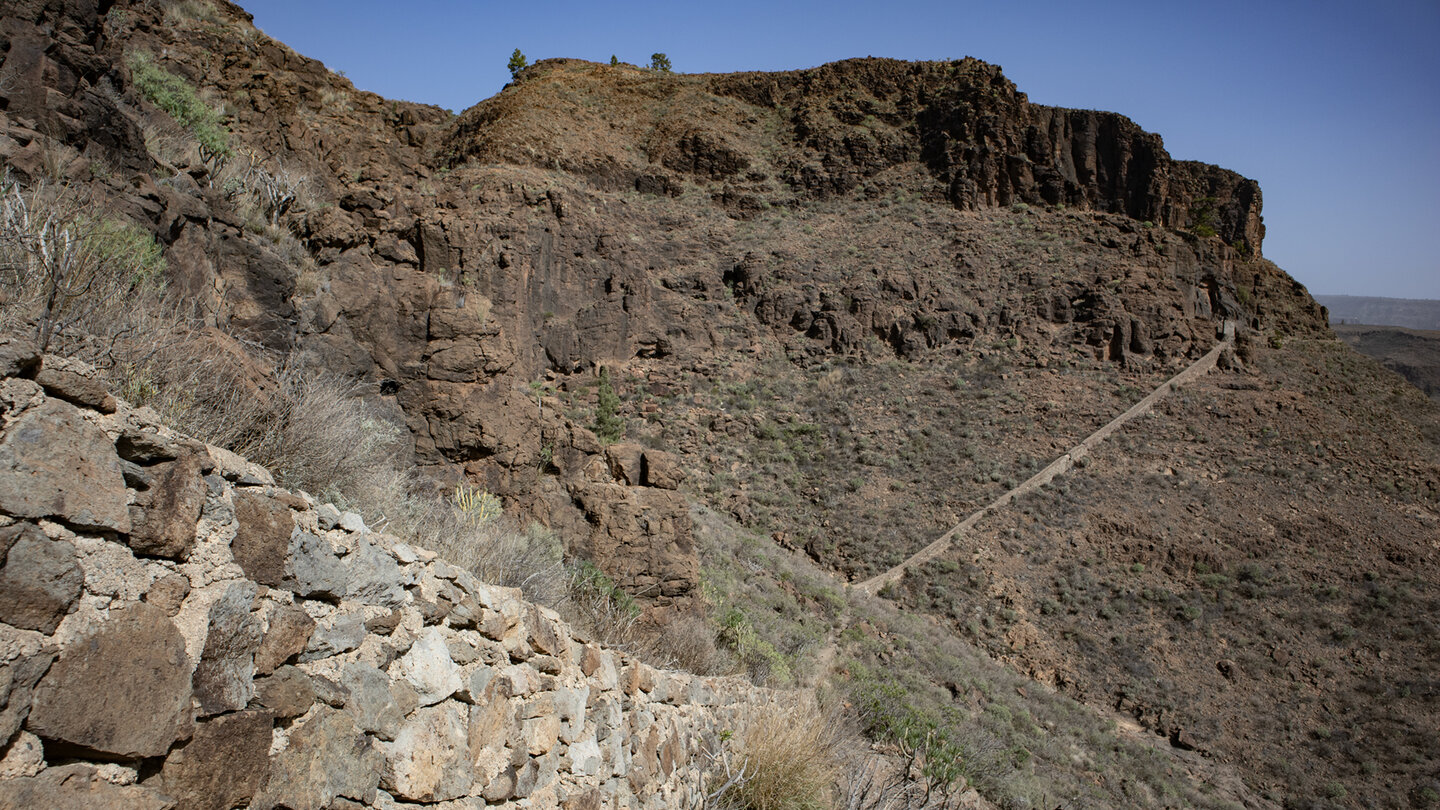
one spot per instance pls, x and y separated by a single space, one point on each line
784 758
64 265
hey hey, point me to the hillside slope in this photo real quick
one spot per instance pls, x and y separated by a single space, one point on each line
842 307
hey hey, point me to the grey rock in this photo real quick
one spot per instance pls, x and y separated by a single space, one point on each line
287 636
327 515
328 758
338 634
40 579
428 668
429 761
329 692
288 693
351 522
17 687
262 537
375 576
223 765
227 665
371 701
122 691
314 571
55 464
163 519
78 787
137 478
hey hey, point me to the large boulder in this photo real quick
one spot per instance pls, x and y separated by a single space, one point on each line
262 537
429 761
123 691
54 464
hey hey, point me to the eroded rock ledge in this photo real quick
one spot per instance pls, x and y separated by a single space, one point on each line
178 632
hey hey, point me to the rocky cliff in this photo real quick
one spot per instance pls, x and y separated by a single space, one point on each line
840 309
593 216
178 632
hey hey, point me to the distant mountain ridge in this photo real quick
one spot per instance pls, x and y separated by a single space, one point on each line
1412 313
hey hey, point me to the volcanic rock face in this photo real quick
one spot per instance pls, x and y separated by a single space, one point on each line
465 260
840 306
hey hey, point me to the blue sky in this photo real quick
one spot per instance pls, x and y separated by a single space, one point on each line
1333 106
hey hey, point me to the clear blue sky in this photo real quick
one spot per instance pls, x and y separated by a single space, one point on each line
1333 106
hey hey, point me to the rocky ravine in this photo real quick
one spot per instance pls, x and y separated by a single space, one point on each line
590 216
845 307
177 632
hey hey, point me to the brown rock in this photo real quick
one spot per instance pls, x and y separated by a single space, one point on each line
168 593
18 357
288 693
227 666
661 470
329 757
40 579
585 801
546 636
626 462
262 537
145 446
74 381
642 537
55 464
123 691
287 636
163 519
223 765
384 624
78 787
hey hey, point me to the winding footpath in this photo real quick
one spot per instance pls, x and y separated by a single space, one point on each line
1060 465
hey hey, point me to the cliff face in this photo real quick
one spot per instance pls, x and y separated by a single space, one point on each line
177 632
825 131
591 216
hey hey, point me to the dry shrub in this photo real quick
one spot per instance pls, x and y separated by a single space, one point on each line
66 266
784 758
496 550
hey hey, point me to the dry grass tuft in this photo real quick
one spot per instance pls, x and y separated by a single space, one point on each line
783 759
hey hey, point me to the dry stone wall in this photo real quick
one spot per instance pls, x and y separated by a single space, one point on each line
178 632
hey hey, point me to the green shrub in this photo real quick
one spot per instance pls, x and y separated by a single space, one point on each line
761 660
1202 217
179 100
608 424
887 714
660 62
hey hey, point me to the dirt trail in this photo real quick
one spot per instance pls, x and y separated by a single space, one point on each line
1197 369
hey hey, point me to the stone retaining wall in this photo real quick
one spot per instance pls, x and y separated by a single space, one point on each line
178 632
